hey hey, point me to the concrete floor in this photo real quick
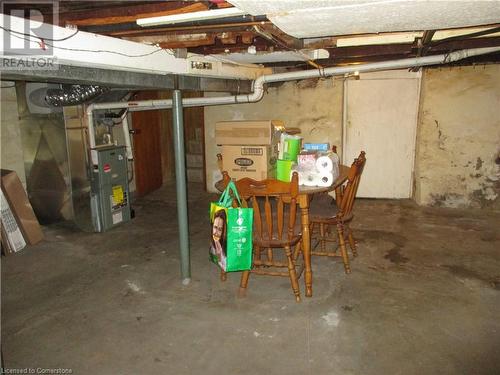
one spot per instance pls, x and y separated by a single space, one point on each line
423 298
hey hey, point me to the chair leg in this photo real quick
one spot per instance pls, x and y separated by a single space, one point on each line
223 275
352 243
313 231
297 250
243 283
343 250
293 274
269 254
257 252
322 236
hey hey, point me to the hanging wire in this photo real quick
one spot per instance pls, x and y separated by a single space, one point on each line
42 43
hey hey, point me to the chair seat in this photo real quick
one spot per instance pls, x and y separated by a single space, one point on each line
276 242
324 210
322 205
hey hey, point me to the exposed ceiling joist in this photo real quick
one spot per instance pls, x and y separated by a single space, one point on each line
275 35
97 51
268 43
130 13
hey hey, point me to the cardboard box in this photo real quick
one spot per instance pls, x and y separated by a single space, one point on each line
12 238
256 162
265 132
21 207
316 147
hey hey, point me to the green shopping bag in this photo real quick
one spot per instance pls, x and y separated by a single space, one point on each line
231 242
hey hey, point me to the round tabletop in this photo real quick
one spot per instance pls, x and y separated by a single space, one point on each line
343 172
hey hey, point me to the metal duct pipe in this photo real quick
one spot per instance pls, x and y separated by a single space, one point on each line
126 136
258 84
72 94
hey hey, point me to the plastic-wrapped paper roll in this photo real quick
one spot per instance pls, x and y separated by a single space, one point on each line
324 179
325 163
308 178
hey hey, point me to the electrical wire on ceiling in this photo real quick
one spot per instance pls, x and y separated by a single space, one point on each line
39 37
42 44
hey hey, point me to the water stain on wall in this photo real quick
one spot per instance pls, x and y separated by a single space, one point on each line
457 147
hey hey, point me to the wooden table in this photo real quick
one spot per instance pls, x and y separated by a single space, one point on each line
305 193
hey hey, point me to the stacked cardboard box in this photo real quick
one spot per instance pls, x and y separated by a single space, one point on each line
249 148
19 223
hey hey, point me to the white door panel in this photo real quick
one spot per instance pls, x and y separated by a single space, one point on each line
381 119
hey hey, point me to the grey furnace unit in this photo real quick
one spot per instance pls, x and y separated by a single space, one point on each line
110 200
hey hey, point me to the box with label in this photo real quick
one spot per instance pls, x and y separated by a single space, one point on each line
316 147
256 162
21 208
264 132
12 238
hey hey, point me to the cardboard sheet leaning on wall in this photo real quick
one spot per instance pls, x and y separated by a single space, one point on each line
20 207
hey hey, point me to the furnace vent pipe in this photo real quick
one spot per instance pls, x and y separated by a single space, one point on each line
73 94
126 136
258 84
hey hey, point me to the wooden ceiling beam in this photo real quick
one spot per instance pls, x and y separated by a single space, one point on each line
214 28
196 39
208 40
127 14
219 48
425 42
278 37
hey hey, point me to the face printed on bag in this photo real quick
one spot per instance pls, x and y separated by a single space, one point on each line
218 228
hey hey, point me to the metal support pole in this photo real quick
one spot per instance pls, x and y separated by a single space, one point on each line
180 180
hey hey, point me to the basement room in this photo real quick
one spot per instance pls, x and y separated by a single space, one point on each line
250 187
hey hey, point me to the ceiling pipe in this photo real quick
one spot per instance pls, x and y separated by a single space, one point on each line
258 84
72 94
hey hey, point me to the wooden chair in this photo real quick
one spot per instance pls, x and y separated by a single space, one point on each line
275 206
341 219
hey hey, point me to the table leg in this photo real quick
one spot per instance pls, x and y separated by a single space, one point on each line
306 242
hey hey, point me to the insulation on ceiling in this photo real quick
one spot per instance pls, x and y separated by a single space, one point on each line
308 19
